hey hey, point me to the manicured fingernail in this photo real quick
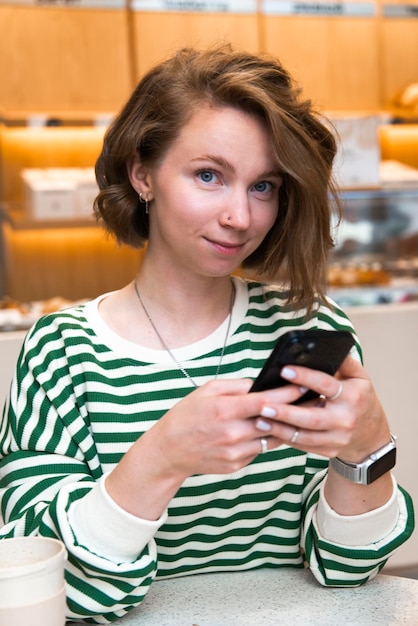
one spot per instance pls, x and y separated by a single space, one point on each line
262 425
303 389
288 373
268 411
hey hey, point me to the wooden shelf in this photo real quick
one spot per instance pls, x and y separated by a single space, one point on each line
18 218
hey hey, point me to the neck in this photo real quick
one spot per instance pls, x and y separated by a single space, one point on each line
167 306
178 290
167 347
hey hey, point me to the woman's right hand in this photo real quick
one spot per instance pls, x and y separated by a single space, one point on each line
216 429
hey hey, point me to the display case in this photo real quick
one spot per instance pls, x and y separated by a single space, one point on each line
375 258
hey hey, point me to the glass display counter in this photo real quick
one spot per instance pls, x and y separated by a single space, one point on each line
375 259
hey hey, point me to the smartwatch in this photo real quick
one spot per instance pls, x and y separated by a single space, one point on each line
369 470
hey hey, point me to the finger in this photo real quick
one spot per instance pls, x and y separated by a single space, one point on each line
237 387
323 383
324 443
311 428
307 416
284 395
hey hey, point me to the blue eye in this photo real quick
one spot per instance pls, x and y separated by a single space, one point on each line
207 176
264 187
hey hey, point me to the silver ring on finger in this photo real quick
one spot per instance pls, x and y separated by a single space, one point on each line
264 445
338 393
322 401
295 436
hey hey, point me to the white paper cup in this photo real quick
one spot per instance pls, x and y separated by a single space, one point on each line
32 588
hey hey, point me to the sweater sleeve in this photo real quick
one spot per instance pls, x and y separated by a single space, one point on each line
105 527
340 558
39 492
361 529
48 466
350 550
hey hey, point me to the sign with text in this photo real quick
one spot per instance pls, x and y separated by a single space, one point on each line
83 4
400 10
352 9
196 6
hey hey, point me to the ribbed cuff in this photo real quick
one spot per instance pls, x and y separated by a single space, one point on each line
105 528
357 530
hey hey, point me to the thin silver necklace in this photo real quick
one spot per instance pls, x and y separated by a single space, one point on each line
165 346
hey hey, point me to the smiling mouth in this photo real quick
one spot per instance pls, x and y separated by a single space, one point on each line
226 247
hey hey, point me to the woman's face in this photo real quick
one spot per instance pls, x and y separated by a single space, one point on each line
214 195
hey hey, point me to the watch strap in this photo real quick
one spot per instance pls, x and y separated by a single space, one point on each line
350 471
382 461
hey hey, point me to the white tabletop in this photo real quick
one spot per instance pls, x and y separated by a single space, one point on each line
272 597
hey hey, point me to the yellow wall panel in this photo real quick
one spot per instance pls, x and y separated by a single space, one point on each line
88 59
157 35
334 59
63 58
399 63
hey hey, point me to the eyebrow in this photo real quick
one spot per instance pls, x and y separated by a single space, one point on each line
227 165
219 160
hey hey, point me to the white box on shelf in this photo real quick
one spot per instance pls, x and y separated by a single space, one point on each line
86 191
59 193
48 196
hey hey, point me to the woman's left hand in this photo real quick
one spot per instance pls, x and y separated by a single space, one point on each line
350 424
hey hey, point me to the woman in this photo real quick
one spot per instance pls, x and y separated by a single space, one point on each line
130 432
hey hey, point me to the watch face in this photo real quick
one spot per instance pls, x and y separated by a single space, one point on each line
381 466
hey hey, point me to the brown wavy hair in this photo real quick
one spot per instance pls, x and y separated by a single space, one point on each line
304 147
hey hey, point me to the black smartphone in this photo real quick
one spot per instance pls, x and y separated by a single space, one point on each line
323 350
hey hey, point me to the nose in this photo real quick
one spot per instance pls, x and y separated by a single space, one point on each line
237 213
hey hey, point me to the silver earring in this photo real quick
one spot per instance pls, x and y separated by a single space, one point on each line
142 201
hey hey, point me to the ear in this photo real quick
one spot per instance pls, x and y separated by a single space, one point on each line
139 177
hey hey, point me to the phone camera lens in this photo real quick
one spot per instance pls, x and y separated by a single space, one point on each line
302 357
295 348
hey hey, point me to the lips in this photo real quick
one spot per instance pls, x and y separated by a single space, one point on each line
226 247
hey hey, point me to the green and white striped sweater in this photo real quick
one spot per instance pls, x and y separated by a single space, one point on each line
82 395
